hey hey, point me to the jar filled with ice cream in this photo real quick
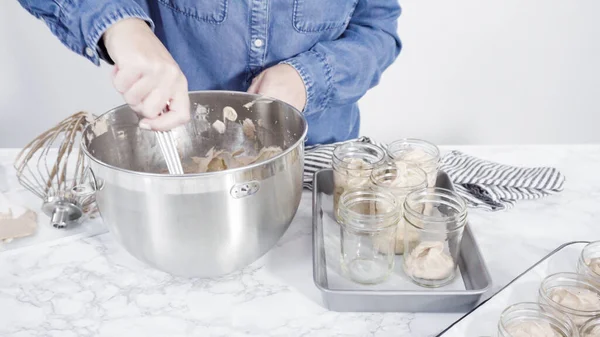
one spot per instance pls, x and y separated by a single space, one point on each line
589 262
534 320
400 181
571 294
433 221
369 221
352 164
418 152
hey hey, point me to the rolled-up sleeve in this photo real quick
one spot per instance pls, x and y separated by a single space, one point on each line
340 72
80 24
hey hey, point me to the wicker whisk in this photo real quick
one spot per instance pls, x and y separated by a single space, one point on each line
54 168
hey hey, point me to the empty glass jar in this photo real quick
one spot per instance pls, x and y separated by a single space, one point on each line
369 221
589 262
352 164
434 221
572 294
533 319
400 181
418 152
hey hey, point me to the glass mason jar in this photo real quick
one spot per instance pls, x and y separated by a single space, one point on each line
418 152
590 328
434 221
369 221
400 181
529 319
571 294
352 163
589 262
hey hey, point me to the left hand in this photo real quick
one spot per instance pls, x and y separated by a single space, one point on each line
281 82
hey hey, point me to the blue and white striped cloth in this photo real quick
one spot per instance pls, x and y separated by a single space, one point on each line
483 184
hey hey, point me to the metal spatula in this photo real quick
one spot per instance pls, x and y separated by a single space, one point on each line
166 141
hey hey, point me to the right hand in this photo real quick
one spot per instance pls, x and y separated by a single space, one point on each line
147 76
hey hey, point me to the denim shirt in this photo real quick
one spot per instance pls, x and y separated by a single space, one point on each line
339 47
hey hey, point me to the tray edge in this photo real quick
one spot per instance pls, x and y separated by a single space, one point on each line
558 249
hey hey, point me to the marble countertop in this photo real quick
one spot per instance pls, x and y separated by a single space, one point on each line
80 283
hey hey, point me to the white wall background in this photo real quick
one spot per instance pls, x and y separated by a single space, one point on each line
471 72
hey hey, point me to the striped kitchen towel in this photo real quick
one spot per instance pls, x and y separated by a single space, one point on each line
483 184
494 186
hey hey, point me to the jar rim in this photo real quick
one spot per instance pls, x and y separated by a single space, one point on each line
578 278
591 323
543 309
399 144
591 245
389 218
454 200
380 174
376 151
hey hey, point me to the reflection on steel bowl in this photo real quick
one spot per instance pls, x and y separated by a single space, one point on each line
204 224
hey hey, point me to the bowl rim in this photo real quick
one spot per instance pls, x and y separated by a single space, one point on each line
300 141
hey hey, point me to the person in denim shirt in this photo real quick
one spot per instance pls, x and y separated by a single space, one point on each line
320 56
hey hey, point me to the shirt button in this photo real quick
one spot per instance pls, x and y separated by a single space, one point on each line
258 43
89 52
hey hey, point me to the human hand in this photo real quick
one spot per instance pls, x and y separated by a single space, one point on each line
147 76
281 82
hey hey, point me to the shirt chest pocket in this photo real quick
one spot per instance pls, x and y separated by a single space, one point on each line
209 11
312 16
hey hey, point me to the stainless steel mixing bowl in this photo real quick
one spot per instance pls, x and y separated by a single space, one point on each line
199 225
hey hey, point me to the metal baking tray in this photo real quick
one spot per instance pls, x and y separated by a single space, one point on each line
398 293
483 319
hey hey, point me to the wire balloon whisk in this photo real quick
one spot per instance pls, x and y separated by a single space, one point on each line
54 168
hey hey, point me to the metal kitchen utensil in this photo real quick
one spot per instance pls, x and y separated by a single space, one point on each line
166 141
55 170
397 294
483 319
168 147
203 224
